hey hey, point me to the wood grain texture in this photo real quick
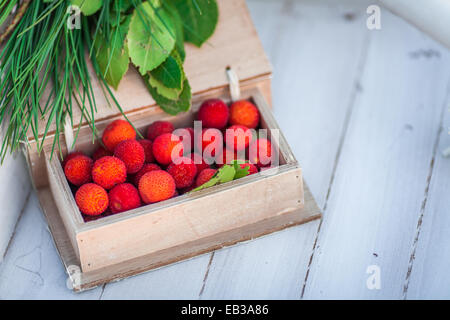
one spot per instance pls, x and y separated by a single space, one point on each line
32 268
14 190
316 52
429 274
381 178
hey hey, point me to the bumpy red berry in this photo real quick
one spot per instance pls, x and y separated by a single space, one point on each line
244 113
132 154
91 199
123 197
156 186
117 131
109 171
146 168
158 128
78 170
204 176
238 137
167 147
213 113
147 145
183 171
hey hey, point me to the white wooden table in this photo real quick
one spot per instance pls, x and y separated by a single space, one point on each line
367 115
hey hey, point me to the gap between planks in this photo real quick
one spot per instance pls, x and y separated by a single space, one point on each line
348 115
425 196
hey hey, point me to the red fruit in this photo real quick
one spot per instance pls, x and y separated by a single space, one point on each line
146 168
251 168
91 199
156 186
238 137
210 142
78 170
117 131
260 152
199 162
132 154
71 156
167 147
245 113
147 145
100 153
109 171
123 197
226 157
187 137
213 113
158 128
183 172
204 176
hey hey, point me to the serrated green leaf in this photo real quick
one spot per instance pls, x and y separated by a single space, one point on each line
223 175
173 107
226 173
170 72
240 172
169 93
113 59
199 19
151 37
212 182
88 7
178 25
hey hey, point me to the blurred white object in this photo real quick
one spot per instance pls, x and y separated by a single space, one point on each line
431 16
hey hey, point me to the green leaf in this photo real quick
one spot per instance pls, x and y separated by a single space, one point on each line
170 72
212 182
88 7
224 174
151 37
178 25
112 67
199 19
169 93
172 106
240 172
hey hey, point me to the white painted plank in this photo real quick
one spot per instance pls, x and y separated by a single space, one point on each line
381 177
429 276
182 280
32 268
316 51
14 190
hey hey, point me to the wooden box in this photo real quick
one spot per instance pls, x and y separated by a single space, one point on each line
155 235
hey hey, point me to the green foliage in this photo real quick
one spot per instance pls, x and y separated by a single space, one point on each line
88 7
151 37
42 53
227 173
172 106
199 19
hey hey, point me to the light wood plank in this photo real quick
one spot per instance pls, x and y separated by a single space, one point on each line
32 268
381 178
429 276
14 190
312 45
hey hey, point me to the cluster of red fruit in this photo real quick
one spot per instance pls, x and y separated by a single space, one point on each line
163 165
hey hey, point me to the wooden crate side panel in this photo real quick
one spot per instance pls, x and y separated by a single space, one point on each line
63 199
191 220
